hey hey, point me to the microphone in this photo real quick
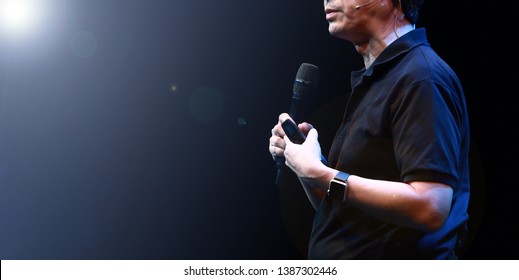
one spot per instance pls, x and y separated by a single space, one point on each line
305 84
362 5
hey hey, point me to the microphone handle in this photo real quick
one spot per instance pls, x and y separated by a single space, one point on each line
296 109
280 164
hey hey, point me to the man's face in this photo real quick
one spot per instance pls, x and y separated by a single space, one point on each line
348 19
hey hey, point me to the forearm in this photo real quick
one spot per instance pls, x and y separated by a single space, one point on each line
315 188
421 205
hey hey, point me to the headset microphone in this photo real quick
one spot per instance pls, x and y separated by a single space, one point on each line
362 5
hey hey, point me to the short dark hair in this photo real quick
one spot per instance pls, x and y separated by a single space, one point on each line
411 8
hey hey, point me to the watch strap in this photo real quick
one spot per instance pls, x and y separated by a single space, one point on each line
341 176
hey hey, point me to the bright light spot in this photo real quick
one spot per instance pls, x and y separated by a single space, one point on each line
18 16
29 28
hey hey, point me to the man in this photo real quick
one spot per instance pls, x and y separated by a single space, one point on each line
396 185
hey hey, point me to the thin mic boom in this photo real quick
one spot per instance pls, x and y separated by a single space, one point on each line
362 5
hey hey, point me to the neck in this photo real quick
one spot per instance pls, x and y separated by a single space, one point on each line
374 47
397 32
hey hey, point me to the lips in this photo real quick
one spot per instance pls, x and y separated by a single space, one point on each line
330 13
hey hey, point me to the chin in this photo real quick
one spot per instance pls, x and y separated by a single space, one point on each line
336 30
332 30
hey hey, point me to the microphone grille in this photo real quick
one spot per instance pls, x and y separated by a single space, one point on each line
308 74
305 85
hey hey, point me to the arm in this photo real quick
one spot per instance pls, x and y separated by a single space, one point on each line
422 205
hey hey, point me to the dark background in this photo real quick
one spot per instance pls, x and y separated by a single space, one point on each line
139 129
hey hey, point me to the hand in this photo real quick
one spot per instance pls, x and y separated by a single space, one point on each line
276 142
305 159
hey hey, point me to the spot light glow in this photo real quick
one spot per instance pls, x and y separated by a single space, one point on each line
28 28
18 16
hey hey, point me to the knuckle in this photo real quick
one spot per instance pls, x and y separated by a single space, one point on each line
280 142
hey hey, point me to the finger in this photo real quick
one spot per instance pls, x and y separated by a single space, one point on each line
312 134
276 152
277 131
277 142
305 127
283 117
287 141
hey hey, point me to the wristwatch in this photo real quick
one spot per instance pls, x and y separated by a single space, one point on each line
338 186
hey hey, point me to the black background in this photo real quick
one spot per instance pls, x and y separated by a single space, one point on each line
100 159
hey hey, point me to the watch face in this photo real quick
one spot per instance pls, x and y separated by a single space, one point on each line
337 190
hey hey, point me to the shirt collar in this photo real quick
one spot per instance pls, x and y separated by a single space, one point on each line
400 46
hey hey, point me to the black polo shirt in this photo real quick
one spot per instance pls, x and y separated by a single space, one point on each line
406 120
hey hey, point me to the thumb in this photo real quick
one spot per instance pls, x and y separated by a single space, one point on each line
312 134
287 140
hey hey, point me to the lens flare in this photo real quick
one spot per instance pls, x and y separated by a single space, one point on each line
18 16
28 28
